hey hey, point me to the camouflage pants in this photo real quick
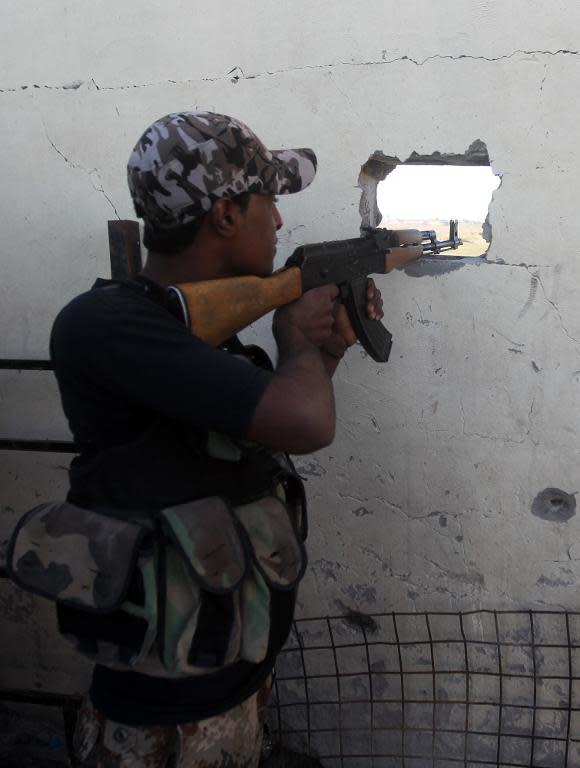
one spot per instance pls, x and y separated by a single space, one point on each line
230 740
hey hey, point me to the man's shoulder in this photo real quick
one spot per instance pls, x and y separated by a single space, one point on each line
105 312
104 295
105 301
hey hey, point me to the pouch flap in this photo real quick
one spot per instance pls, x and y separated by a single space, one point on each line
207 534
74 556
277 549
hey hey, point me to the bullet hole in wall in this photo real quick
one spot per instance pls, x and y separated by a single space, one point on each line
554 505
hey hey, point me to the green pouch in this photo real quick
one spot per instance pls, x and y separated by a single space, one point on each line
220 567
279 561
100 572
204 563
277 551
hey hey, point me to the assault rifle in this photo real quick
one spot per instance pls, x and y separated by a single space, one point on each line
346 263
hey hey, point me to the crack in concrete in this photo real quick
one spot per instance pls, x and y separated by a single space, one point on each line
391 504
554 306
507 338
467 577
386 566
79 167
493 438
412 517
349 497
57 150
102 191
544 78
521 265
535 443
461 56
76 85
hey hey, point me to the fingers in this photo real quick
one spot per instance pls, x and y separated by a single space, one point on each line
312 314
406 237
330 290
399 256
374 301
324 322
342 325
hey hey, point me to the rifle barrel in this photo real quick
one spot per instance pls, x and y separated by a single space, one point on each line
431 245
442 245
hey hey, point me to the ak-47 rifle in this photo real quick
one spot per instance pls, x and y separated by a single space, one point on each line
346 263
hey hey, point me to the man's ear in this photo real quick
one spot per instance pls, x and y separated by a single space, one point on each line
225 216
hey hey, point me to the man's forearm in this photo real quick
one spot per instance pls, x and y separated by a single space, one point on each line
331 361
308 367
296 413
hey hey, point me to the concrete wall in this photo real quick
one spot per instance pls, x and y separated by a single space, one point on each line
424 500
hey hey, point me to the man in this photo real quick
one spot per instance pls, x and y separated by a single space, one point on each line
165 420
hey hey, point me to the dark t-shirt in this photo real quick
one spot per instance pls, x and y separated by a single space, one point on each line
122 360
130 374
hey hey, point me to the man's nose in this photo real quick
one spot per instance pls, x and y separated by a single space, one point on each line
277 218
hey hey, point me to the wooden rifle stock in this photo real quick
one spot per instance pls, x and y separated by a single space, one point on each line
215 310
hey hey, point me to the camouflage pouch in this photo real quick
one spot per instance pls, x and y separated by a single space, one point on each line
203 562
99 570
220 565
278 563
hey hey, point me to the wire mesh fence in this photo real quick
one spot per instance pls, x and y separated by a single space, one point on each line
432 690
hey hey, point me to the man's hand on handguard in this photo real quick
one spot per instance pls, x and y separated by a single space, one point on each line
406 248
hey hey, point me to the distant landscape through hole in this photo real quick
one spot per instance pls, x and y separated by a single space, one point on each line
426 197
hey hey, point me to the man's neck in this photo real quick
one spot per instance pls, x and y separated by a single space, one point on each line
193 264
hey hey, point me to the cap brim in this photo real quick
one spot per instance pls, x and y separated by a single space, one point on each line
295 169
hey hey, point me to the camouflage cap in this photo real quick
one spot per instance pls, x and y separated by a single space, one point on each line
186 161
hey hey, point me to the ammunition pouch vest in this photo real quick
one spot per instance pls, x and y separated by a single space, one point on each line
195 584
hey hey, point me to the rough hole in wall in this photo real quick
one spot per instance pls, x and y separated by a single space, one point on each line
426 191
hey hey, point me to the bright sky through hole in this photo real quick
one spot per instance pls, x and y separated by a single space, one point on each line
437 192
